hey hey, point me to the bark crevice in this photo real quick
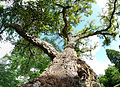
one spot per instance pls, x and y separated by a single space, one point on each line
67 70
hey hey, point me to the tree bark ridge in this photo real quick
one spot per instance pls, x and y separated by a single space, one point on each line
66 71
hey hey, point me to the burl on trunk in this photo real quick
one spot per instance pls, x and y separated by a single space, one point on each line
66 70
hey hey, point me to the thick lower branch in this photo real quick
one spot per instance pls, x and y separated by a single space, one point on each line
45 46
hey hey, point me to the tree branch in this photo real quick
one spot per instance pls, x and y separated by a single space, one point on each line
91 34
45 46
2 30
100 31
110 21
65 29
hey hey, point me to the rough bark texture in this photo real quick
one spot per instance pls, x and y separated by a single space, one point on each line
66 71
46 47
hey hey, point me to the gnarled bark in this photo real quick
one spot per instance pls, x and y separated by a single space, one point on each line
66 71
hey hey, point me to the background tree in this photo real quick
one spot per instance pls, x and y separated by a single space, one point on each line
41 23
111 77
114 57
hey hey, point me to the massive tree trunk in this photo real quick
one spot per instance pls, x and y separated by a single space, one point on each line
66 70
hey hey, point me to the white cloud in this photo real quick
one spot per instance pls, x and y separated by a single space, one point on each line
101 3
95 41
5 47
97 66
6 3
103 6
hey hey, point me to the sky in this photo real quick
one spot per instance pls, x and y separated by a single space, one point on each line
100 61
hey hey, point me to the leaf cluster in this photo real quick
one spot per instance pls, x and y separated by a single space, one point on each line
7 77
111 77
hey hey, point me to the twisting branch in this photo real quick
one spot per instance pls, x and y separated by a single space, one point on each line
110 21
45 46
65 29
100 31
91 34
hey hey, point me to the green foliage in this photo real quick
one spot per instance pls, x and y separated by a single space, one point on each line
7 76
25 56
117 85
55 40
114 57
44 19
35 74
107 41
27 60
84 47
105 21
111 77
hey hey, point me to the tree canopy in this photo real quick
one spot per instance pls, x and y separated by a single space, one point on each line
54 22
58 17
50 26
